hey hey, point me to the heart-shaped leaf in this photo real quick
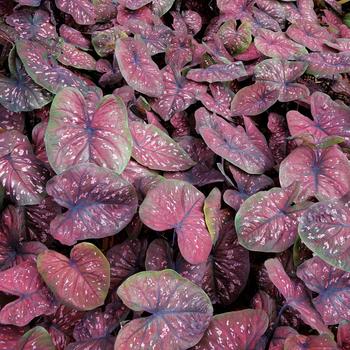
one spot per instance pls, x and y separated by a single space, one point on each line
36 338
11 120
83 130
332 286
295 294
246 150
237 8
324 228
311 342
81 282
254 99
327 63
156 150
21 174
82 11
137 67
323 173
180 310
281 75
33 300
74 37
235 330
267 221
90 192
174 204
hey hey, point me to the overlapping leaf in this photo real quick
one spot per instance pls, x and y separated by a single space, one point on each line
301 342
327 63
37 338
82 11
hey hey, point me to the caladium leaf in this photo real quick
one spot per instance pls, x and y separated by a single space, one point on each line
323 173
82 130
254 99
161 7
324 228
134 4
343 335
21 174
211 209
236 330
236 8
340 44
302 342
43 68
104 41
159 256
267 221
174 204
82 11
278 45
218 72
74 37
327 63
180 310
11 120
36 338
137 67
279 337
281 75
179 93
81 282
332 286
33 300
9 336
89 191
156 150
233 143
295 294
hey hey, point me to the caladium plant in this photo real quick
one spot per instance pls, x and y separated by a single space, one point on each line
174 174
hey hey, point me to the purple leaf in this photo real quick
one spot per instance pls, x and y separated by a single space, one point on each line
21 174
281 74
323 173
327 63
174 204
254 99
134 4
248 151
83 130
295 294
311 342
81 282
9 336
137 67
237 8
340 44
36 338
11 120
324 228
90 192
277 45
273 9
104 41
267 221
43 68
343 335
74 37
279 337
159 256
332 286
82 11
217 73
236 330
180 310
156 150
161 7
33 300
179 93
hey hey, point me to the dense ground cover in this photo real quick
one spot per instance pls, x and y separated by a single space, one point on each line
174 174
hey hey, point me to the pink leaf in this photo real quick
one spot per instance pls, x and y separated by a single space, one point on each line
82 11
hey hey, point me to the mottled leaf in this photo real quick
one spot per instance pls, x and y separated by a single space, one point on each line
9 336
36 338
82 11
327 63
311 342
11 120
74 37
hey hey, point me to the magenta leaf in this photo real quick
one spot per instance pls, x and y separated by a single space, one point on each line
246 150
211 209
179 93
324 228
43 68
9 336
254 99
343 335
134 4
37 338
295 294
281 75
161 7
137 67
277 45
217 73
82 11
323 173
267 221
174 204
88 192
236 330
11 120
311 342
156 150
180 310
327 63
82 130
237 8
332 286
159 256
74 37
33 300
82 281
279 337
21 174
